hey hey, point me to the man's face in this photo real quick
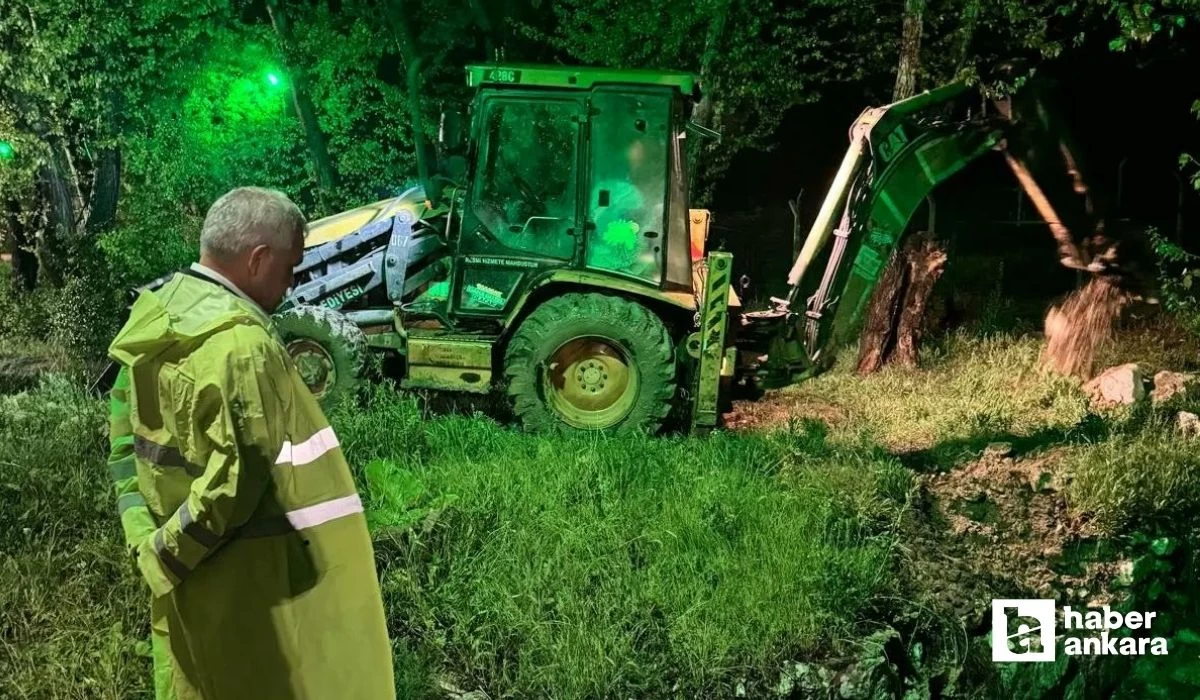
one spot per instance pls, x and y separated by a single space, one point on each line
270 272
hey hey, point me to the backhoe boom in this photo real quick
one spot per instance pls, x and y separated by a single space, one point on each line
898 155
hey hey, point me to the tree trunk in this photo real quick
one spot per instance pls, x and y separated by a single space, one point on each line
106 190
910 50
60 224
926 262
55 185
878 337
483 22
704 159
315 138
895 320
24 261
703 155
25 269
414 79
881 334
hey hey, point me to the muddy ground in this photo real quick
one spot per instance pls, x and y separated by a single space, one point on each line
994 526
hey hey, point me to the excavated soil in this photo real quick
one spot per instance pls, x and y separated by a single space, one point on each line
1080 325
1000 527
775 409
995 527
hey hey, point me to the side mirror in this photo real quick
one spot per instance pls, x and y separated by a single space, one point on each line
450 132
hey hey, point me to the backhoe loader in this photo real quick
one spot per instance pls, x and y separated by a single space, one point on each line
564 264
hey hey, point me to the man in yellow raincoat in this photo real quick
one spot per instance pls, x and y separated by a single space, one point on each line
245 521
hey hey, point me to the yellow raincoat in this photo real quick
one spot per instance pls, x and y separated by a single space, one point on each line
136 520
259 559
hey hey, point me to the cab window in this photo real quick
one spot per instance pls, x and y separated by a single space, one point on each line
525 194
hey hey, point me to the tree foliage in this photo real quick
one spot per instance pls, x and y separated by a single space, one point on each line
75 80
756 58
166 103
1141 23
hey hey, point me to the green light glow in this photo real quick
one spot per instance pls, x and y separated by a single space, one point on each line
272 78
6 150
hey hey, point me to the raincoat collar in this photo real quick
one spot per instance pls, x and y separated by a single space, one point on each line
180 315
225 282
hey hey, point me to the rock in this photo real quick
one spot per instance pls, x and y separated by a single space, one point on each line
1169 385
807 679
1117 386
998 450
1124 577
1188 423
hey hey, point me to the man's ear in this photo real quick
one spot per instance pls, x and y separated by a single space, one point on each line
258 256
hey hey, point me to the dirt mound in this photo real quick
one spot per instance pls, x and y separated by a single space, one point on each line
776 409
999 527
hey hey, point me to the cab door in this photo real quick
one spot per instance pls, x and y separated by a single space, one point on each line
627 209
521 214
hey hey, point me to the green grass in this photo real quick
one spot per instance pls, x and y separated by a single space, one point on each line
72 614
582 566
1144 478
1128 469
553 566
585 566
1156 339
968 387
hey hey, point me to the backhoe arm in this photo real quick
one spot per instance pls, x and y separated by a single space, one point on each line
900 153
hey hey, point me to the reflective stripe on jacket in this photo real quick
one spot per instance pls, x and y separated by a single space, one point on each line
136 520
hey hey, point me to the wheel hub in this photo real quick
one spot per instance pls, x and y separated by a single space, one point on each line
314 364
591 376
590 383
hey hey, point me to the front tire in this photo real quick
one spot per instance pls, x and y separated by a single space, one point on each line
328 349
591 362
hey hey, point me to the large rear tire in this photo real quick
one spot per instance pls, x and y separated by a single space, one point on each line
591 362
328 349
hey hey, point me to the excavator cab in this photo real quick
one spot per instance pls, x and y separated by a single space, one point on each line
562 169
571 169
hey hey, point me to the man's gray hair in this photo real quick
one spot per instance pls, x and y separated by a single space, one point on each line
247 217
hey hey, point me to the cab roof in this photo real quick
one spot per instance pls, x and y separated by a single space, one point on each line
576 77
